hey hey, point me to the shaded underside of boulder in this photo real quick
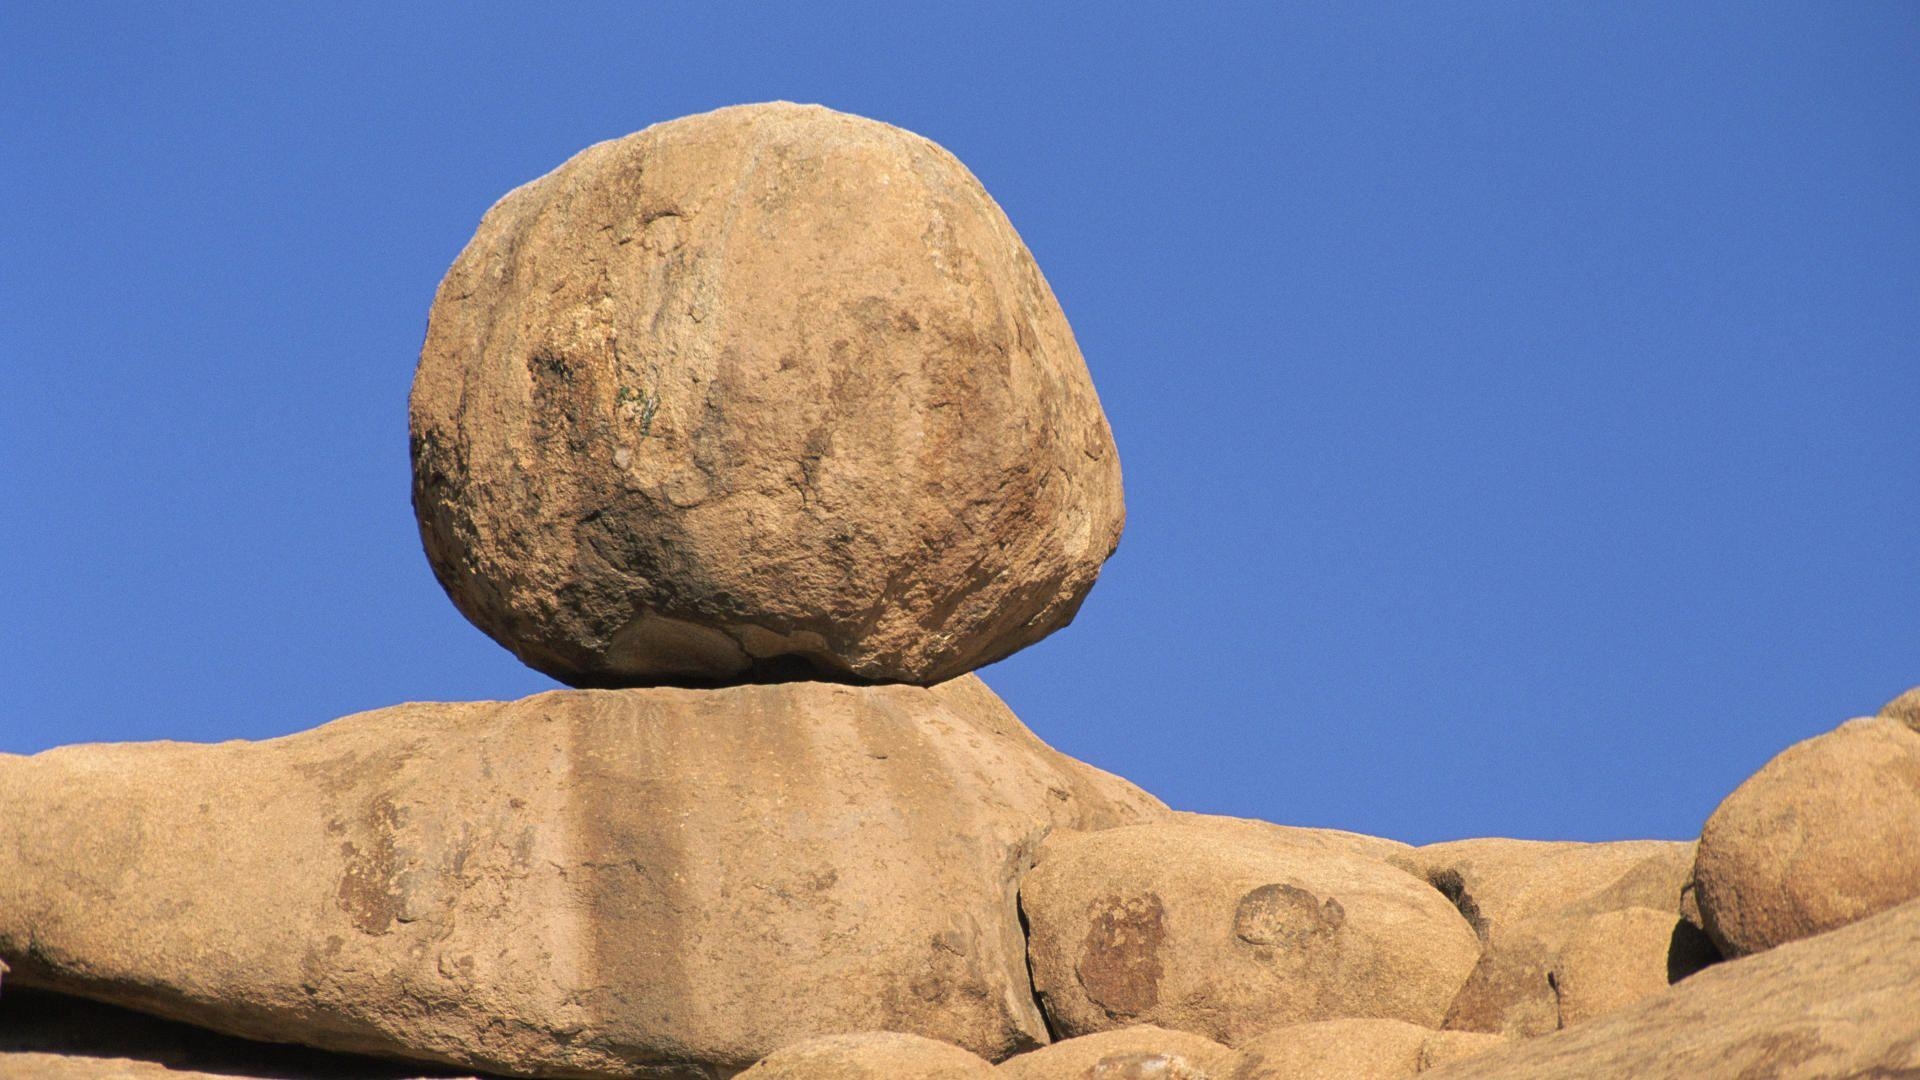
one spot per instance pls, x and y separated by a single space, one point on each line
646 882
48 1036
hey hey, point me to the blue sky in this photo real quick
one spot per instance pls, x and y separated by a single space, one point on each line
1517 402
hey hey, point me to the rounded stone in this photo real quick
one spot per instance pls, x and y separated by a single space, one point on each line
1222 930
772 390
1825 834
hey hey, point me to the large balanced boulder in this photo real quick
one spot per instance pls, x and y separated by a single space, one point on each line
1528 899
1226 930
1838 1005
870 1055
766 389
643 882
1826 833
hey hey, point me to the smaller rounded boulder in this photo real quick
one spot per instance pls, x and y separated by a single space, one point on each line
1226 931
1825 834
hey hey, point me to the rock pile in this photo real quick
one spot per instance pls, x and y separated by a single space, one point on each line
763 429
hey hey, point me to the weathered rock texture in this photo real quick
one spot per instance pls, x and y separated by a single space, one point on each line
766 388
871 1055
645 882
1141 1052
1826 833
1354 1050
1837 1005
1905 708
1227 931
1527 898
1614 959
1498 882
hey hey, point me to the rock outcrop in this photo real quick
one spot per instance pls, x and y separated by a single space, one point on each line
1140 1052
1227 930
763 426
1837 1005
1826 833
769 389
870 1055
644 882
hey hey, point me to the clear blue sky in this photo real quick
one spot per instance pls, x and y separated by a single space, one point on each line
1517 401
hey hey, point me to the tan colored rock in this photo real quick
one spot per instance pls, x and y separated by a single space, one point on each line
1348 1049
765 389
871 1055
1526 897
1840 1004
1447 1047
1225 931
1499 882
1611 961
1140 1052
647 882
1353 1049
1826 833
1905 708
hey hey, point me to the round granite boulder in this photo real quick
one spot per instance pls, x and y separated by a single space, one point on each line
765 392
1825 834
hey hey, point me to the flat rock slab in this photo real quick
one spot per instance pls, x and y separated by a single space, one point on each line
643 882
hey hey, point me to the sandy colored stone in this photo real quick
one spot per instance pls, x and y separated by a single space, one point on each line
1499 882
1614 959
1826 833
1346 1049
871 1055
634 883
1526 897
1905 708
1447 1047
768 388
1837 1005
1353 1049
1224 931
1140 1052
